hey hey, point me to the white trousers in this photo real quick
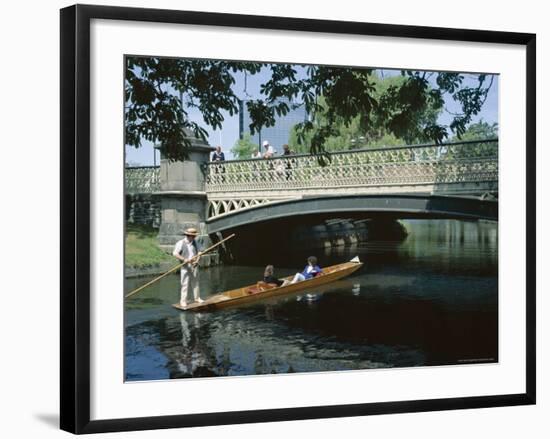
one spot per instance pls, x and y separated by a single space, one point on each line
189 282
299 277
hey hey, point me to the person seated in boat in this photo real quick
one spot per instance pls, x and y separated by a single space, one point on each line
269 277
311 270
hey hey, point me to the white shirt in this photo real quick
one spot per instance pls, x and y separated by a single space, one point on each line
269 151
191 249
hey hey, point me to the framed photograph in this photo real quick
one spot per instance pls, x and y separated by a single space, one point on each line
276 218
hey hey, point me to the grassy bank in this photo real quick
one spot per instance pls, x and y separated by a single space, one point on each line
142 248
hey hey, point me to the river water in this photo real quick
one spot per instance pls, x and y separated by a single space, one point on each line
431 299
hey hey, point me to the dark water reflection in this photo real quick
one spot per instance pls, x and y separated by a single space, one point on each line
430 300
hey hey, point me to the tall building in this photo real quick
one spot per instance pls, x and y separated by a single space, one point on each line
278 134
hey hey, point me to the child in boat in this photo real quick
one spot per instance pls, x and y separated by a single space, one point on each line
311 270
269 278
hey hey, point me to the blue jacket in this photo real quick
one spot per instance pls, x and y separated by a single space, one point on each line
316 270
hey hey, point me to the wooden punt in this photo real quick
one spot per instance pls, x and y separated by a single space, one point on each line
261 290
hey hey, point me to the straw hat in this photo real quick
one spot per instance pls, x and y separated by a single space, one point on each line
191 231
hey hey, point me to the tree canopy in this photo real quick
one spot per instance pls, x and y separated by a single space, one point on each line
480 131
365 130
160 91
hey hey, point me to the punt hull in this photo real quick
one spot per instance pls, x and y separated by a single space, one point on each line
242 296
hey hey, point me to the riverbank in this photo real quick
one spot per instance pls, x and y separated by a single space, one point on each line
144 257
141 247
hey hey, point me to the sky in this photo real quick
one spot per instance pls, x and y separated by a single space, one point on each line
250 89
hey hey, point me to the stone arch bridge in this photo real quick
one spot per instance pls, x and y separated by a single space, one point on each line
453 180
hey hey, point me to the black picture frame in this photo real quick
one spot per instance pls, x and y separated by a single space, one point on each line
75 217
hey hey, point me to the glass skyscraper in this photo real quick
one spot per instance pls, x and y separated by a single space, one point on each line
278 134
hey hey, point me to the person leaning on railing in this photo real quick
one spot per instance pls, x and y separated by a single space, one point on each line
269 152
286 152
219 156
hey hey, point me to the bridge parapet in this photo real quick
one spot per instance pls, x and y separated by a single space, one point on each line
408 165
142 180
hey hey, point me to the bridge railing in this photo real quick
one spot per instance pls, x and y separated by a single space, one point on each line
142 179
473 161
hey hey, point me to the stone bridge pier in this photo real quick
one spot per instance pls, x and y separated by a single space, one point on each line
183 197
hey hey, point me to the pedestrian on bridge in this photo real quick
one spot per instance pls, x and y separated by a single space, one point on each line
269 152
287 151
186 249
218 155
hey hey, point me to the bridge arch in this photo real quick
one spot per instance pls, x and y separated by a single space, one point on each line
362 206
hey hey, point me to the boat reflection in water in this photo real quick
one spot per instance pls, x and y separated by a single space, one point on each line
429 300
